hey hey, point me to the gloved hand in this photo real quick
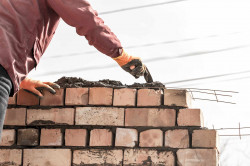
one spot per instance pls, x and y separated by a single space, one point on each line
131 64
33 86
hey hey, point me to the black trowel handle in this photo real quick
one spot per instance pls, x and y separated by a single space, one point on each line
148 76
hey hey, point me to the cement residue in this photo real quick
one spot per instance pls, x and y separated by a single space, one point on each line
74 82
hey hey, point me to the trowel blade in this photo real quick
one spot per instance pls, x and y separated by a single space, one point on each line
148 76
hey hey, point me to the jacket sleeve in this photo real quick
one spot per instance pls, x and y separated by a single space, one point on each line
79 14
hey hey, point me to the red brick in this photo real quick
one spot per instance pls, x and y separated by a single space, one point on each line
75 137
8 137
148 157
126 137
26 98
149 97
150 117
190 117
64 116
124 97
12 100
177 138
50 99
100 116
51 137
10 157
100 96
77 96
15 116
197 157
47 157
28 137
97 157
174 97
100 137
205 139
151 138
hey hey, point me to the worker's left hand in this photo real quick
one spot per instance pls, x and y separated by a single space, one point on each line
33 86
130 64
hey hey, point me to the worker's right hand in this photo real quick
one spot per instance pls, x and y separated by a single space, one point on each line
33 86
130 64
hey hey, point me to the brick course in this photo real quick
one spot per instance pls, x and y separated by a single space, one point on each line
126 137
75 137
124 97
190 117
50 99
28 137
77 96
15 116
149 97
10 157
151 138
51 137
100 96
100 137
8 137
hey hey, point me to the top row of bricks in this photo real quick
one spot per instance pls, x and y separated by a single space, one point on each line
106 97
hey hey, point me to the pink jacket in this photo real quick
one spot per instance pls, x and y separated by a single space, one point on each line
27 27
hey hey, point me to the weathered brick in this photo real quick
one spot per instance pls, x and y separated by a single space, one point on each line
99 116
149 97
47 157
28 137
15 116
7 137
150 117
124 97
77 96
177 138
190 117
26 98
97 157
100 137
12 100
148 157
10 157
173 97
151 138
51 137
197 157
75 137
100 96
50 99
64 116
126 137
205 139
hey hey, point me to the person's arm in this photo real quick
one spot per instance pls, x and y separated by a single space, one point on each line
80 14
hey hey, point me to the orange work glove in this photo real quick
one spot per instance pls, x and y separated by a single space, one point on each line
33 86
130 64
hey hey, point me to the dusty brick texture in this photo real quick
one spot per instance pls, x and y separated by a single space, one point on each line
97 157
197 157
8 137
47 157
26 98
50 99
149 97
15 116
77 96
51 137
124 97
190 117
10 157
100 116
151 138
28 137
12 100
173 97
150 117
205 138
63 116
100 96
100 137
75 137
126 137
148 157
177 138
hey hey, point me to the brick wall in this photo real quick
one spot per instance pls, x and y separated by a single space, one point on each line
106 126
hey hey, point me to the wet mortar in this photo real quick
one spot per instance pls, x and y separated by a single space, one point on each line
76 82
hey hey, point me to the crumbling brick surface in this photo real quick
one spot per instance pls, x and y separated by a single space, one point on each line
106 126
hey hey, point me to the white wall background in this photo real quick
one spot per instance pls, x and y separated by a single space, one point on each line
187 43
